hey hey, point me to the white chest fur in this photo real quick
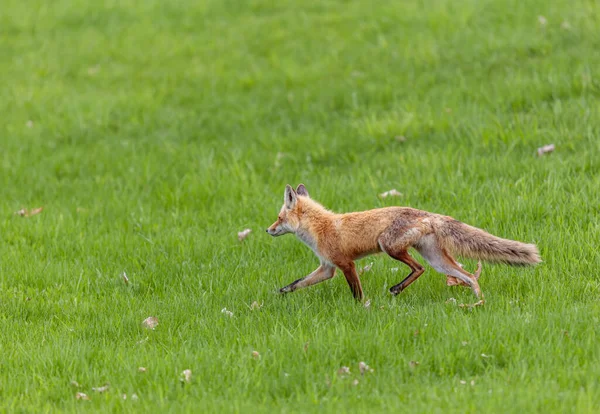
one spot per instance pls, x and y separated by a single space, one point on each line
310 241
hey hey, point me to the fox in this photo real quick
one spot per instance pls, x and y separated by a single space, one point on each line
340 239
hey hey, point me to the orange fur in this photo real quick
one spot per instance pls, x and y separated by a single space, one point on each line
339 239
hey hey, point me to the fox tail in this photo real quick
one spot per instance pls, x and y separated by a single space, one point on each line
470 242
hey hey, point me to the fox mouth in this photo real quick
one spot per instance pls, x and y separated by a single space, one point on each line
275 233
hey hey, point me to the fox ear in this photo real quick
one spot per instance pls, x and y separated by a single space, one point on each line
290 197
302 191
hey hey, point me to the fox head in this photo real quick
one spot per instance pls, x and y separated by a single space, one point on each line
288 220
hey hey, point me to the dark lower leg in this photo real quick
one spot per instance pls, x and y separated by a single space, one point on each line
417 270
321 274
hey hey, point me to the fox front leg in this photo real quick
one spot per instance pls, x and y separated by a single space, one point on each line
349 270
321 274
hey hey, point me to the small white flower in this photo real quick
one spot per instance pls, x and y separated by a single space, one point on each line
391 193
363 367
150 322
243 234
186 376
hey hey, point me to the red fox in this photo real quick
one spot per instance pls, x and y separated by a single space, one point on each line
339 239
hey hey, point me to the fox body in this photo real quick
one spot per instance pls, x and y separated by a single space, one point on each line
339 239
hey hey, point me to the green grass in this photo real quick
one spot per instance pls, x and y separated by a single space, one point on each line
154 134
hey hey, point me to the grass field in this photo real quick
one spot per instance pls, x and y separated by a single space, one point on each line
152 132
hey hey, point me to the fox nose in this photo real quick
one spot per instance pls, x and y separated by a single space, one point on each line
267 230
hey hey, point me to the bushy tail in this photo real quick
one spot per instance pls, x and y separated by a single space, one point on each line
474 243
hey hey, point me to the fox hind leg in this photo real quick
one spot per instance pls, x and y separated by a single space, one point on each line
415 267
441 261
452 281
464 276
397 248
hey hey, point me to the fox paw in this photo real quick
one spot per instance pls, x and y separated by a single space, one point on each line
289 288
395 290
478 271
286 289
